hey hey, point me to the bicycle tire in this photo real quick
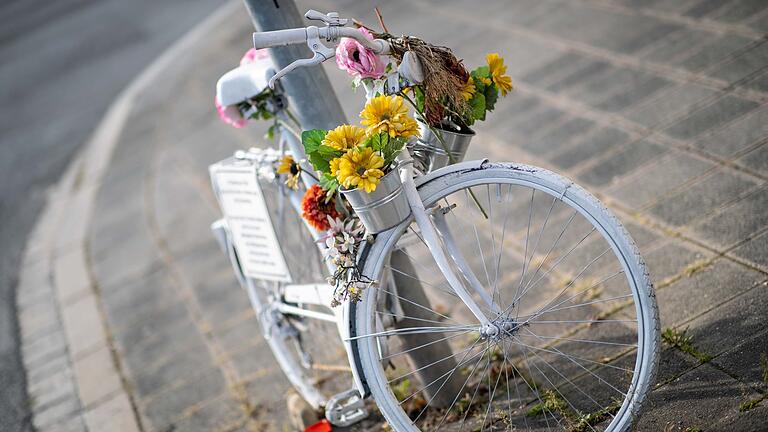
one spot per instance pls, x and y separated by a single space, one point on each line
565 192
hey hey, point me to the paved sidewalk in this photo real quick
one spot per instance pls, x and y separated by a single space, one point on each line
657 107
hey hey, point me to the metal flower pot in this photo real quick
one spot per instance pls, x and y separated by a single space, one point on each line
383 208
431 153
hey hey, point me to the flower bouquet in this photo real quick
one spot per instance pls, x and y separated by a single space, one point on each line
359 161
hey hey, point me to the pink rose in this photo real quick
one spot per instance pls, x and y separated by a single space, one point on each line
252 55
230 114
358 60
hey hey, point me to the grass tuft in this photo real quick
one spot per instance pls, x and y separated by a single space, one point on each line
681 340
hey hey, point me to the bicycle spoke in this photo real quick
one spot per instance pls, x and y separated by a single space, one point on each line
412 331
587 370
419 306
580 292
425 345
573 356
434 363
588 341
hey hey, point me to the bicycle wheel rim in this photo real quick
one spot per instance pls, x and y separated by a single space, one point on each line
564 190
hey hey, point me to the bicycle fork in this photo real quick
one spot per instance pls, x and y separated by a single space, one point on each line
431 238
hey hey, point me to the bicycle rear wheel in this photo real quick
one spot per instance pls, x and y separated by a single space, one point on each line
579 331
309 351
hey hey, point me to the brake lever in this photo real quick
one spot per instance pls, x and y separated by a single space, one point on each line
321 54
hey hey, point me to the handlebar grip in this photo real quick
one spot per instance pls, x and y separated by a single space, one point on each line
279 38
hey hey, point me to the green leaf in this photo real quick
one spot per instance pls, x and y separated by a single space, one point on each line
319 162
491 96
329 185
312 139
329 152
418 94
270 135
479 73
477 106
377 142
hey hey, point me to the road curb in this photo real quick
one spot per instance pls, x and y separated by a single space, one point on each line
74 377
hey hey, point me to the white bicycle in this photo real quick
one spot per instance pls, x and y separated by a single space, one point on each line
507 297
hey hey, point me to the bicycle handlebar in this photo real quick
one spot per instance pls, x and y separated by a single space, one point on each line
296 36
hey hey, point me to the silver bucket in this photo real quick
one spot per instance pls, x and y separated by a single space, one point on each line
383 208
431 153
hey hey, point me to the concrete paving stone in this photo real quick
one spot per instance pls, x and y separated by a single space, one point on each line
97 376
52 389
175 367
255 360
672 102
115 414
707 118
555 69
47 366
612 83
676 44
751 61
170 316
645 31
756 160
212 416
759 23
745 361
181 337
72 424
239 336
633 94
589 146
643 237
735 222
538 122
230 302
138 299
39 319
70 274
699 398
738 12
759 82
702 197
673 363
557 138
43 348
728 325
83 325
270 391
134 256
737 136
748 421
704 290
120 194
703 7
579 75
625 161
670 258
655 180
755 250
515 107
61 412
74 224
714 52
163 408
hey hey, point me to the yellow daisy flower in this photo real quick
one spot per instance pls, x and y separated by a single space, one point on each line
360 168
344 137
498 71
468 91
292 169
388 114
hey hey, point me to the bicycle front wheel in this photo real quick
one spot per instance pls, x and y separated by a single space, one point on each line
555 272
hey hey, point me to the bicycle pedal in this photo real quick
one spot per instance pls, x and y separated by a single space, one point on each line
346 408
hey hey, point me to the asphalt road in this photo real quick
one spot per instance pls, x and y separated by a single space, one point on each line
62 64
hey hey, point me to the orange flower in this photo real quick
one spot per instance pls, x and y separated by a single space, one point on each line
315 210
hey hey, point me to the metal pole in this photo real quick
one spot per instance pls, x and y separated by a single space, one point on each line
310 93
